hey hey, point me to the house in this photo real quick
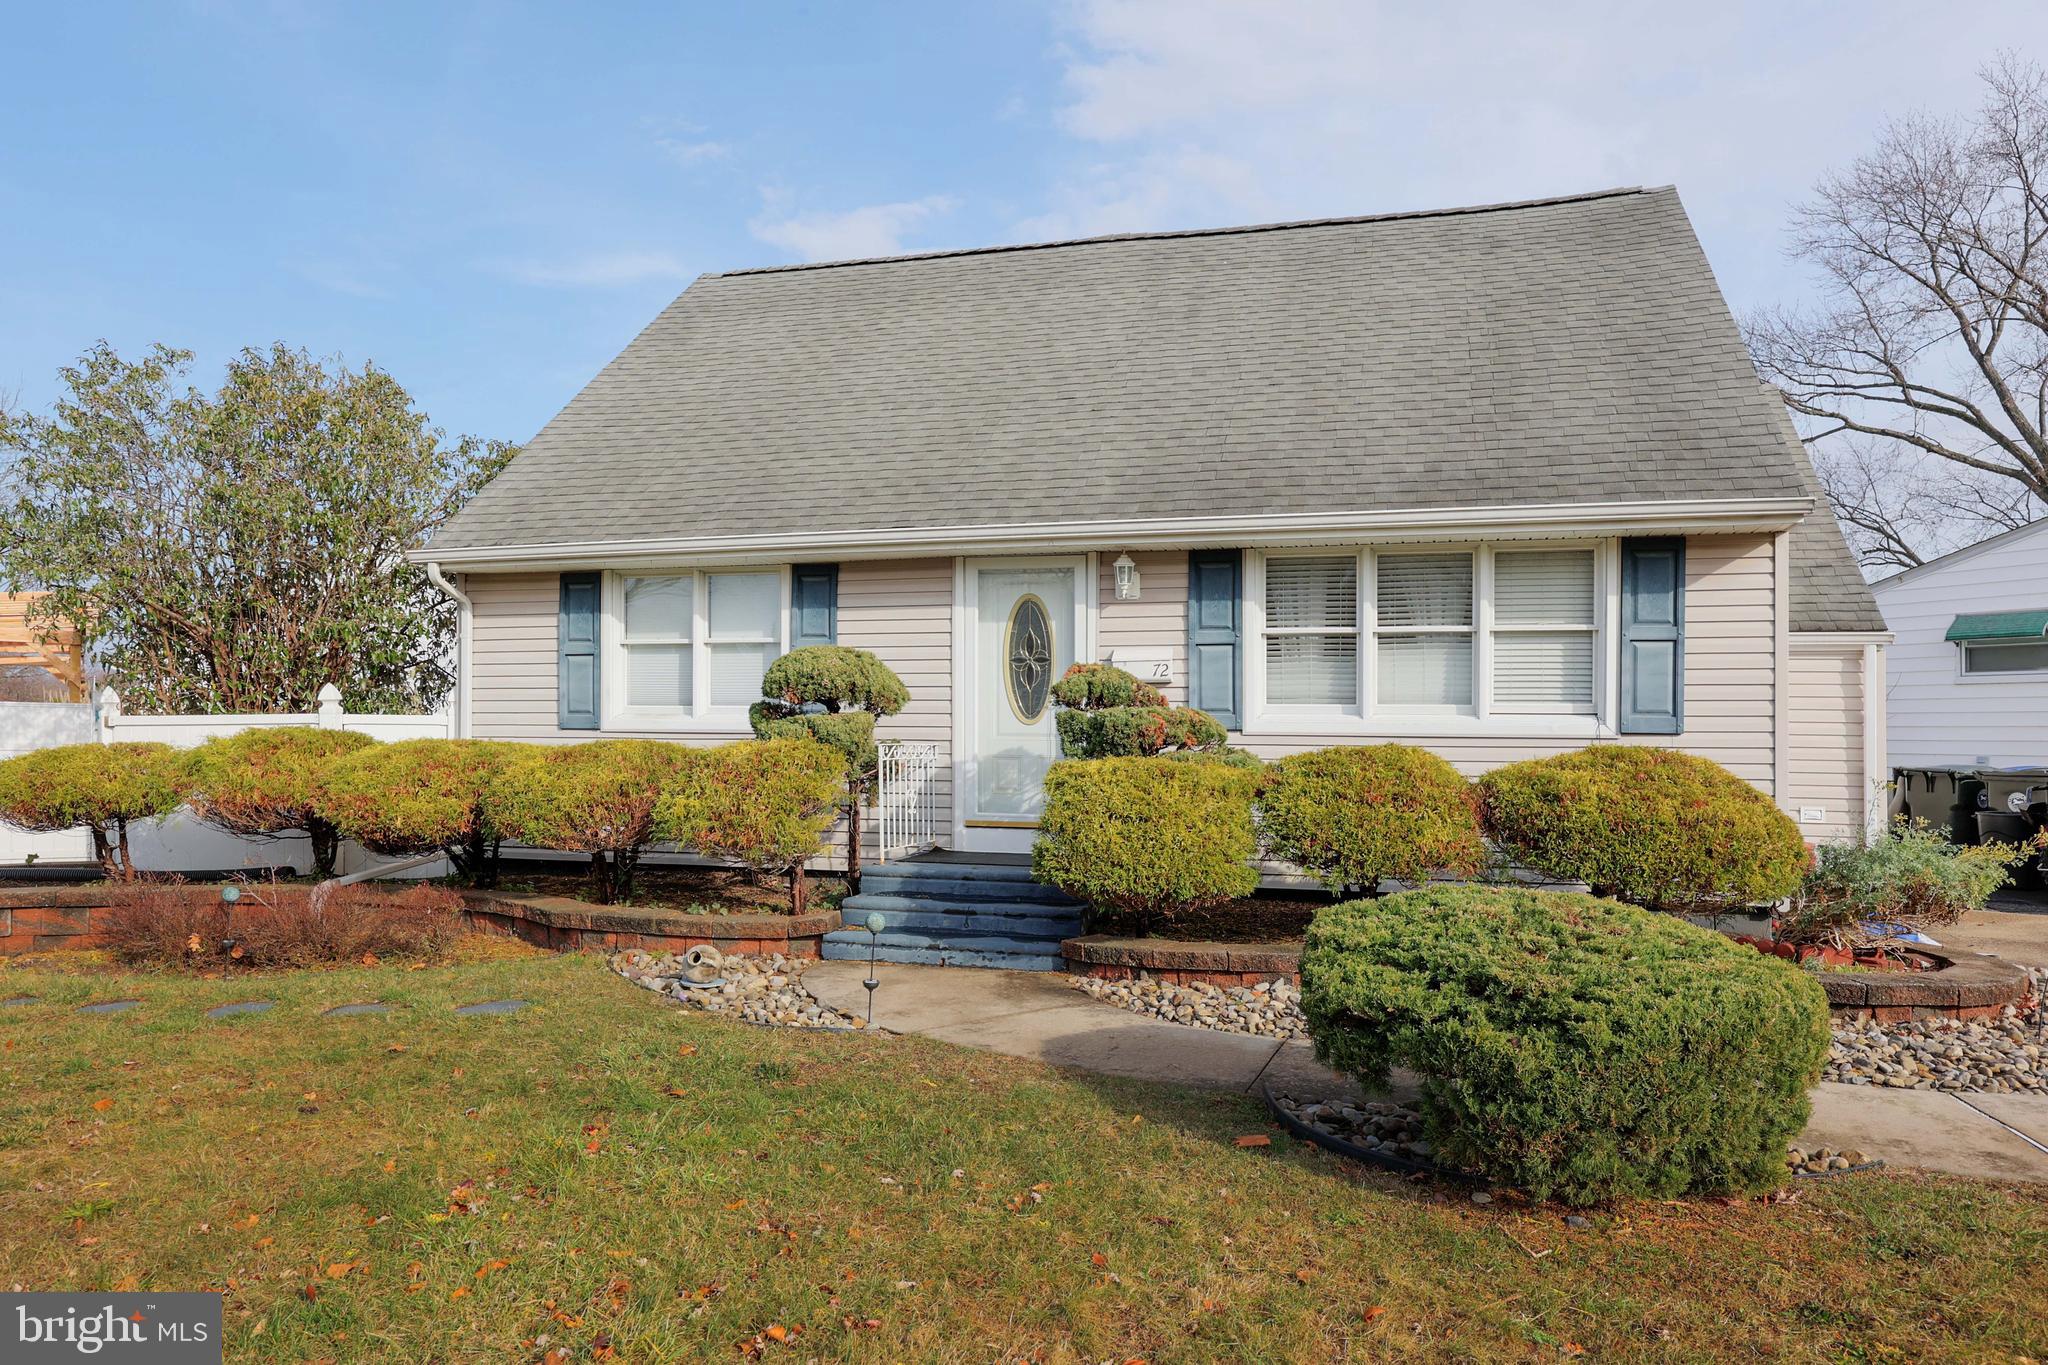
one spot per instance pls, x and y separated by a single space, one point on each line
1968 681
1500 481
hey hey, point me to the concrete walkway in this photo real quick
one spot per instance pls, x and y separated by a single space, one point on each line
1039 1016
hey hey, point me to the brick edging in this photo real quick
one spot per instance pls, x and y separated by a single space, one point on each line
1973 987
561 923
1182 961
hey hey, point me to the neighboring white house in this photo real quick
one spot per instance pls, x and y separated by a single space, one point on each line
1969 670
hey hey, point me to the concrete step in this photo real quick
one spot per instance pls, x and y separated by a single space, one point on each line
960 888
887 901
946 955
927 918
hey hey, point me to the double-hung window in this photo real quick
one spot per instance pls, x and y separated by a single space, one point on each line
1424 636
1312 631
1544 632
691 646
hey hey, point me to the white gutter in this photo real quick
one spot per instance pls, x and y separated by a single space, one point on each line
1702 517
463 609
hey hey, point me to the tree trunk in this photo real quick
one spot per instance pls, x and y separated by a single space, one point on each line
858 790
127 858
625 862
600 879
799 893
326 842
103 853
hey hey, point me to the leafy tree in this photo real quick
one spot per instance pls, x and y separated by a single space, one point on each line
102 788
232 552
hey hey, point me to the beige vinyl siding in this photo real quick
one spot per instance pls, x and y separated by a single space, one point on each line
902 610
1731 618
1825 697
1157 621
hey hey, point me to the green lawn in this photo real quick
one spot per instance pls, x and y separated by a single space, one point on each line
603 1170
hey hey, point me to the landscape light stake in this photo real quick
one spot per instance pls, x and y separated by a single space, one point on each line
875 923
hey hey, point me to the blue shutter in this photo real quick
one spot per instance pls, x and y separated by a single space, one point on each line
578 638
1215 634
1652 637
813 605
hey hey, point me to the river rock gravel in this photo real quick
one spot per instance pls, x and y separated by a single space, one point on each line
760 990
2004 1055
1268 1010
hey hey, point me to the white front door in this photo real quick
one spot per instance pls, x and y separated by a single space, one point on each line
1025 622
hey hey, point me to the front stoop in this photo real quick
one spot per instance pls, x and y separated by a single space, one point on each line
956 914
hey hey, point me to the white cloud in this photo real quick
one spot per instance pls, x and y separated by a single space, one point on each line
876 230
598 270
1187 113
687 153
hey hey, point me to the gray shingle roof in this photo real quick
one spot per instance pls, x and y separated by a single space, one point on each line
1828 589
1561 351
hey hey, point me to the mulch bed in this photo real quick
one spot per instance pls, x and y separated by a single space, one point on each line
689 890
1268 917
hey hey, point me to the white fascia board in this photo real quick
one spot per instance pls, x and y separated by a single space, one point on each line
1839 639
1717 517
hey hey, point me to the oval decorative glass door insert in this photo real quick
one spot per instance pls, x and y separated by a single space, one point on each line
1027 658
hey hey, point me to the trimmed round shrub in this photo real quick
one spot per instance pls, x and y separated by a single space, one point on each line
596 798
765 805
1356 815
1147 836
836 677
101 788
1137 731
1579 1048
267 782
1097 687
1229 755
421 796
849 734
1653 827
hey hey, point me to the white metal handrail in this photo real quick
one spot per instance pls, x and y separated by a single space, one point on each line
905 820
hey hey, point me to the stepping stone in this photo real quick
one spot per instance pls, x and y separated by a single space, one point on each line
108 1006
491 1007
365 1007
239 1007
13 1000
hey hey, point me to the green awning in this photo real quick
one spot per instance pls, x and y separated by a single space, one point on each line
2001 625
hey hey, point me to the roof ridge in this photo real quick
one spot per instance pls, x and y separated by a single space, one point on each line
1171 233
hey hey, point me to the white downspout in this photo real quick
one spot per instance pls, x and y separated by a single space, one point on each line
463 610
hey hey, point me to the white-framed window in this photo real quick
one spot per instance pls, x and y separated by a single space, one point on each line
686 648
1420 638
1981 657
1545 632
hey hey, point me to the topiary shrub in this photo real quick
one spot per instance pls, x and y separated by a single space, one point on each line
765 805
1097 687
1653 827
1106 713
421 796
102 788
1911 877
1147 836
1357 815
833 694
1229 755
264 783
595 798
1578 1048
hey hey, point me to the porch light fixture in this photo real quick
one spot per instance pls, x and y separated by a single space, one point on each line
1126 579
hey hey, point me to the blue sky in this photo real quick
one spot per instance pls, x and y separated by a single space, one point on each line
489 200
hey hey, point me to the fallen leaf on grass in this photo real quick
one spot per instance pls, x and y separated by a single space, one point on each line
461 1293
390 1165
1375 1313
1255 1140
488 1266
1098 1260
339 1269
103 1105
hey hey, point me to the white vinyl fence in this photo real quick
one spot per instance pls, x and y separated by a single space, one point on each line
181 843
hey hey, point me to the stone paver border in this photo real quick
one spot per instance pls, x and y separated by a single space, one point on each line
1182 961
1972 986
